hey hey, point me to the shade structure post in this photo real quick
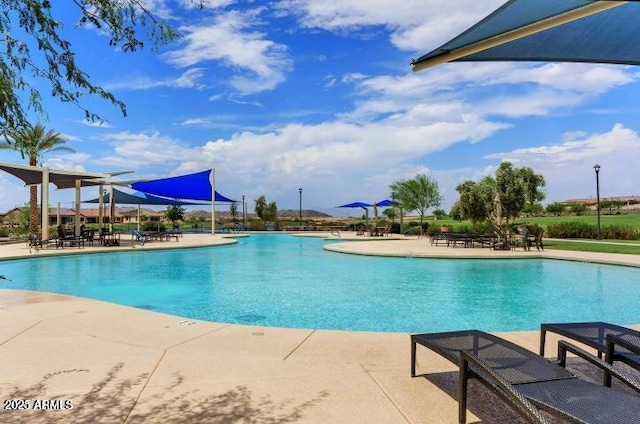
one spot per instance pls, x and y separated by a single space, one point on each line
101 205
213 201
244 215
44 195
112 208
77 211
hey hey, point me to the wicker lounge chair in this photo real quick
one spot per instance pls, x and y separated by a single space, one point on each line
528 382
616 342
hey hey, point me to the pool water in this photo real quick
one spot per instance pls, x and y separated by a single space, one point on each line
285 281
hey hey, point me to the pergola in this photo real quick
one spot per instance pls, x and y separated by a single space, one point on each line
62 179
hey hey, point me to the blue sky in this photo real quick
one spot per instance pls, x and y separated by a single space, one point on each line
320 95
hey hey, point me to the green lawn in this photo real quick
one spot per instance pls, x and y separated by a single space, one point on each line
628 220
616 246
631 220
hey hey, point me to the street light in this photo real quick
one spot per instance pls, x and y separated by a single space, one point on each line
300 210
597 169
244 216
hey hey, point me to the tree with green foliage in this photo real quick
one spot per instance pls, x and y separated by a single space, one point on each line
32 143
417 194
270 214
476 201
611 207
261 206
34 50
578 208
555 208
175 213
390 213
501 199
533 209
439 213
233 210
266 212
456 211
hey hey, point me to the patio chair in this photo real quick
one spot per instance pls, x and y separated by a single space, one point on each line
534 239
528 382
69 238
141 237
34 242
519 239
615 342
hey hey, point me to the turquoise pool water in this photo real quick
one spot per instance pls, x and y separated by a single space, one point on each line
285 281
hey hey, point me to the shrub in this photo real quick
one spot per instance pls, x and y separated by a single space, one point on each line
578 229
395 228
425 226
153 226
255 224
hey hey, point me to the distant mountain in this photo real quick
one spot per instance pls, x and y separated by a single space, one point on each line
306 213
285 213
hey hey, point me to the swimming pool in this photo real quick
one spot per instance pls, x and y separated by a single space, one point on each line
284 281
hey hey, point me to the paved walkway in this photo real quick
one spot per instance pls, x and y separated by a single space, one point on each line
73 360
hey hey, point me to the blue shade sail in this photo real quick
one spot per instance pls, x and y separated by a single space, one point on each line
191 186
385 203
122 198
592 31
356 205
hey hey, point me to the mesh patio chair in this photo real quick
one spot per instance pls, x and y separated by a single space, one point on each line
617 343
528 382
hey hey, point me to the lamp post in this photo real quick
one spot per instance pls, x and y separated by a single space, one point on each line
597 169
300 210
244 216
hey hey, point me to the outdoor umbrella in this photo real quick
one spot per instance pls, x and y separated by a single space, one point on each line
593 31
362 205
385 203
497 204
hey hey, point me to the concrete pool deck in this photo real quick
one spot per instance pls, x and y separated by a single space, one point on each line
116 364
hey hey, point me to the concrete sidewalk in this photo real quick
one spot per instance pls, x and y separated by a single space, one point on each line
115 364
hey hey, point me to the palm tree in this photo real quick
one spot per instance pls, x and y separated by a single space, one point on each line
33 142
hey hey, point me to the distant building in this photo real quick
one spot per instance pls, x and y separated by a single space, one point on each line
66 216
629 200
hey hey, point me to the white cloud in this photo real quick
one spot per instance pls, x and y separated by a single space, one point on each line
163 8
568 164
415 24
95 124
142 150
581 77
188 79
260 64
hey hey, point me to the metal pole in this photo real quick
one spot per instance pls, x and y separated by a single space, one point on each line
244 215
300 210
597 169
213 201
